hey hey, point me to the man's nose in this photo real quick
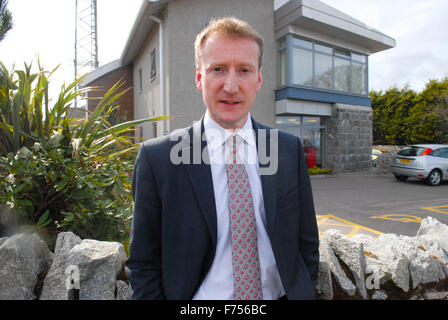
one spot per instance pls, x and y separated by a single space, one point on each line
231 83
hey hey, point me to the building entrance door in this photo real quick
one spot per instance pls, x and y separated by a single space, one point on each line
311 132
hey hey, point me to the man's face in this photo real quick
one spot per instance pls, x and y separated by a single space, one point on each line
229 79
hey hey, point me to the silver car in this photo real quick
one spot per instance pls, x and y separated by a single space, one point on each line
427 162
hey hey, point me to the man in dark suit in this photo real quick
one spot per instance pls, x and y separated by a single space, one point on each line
224 209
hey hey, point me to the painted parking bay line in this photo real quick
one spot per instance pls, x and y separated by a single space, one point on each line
439 209
325 222
399 217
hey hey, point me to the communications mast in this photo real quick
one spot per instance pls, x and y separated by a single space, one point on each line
86 41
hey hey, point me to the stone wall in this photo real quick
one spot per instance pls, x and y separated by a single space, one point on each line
78 269
349 138
362 267
383 163
387 267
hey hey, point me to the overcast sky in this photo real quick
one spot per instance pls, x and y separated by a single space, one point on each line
46 28
420 29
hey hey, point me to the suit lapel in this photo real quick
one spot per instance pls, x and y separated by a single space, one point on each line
201 177
268 182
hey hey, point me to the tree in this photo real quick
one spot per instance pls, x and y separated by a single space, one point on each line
5 19
402 117
390 111
434 100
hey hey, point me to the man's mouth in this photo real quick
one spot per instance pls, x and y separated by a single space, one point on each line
229 102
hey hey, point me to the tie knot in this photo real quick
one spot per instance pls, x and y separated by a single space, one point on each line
234 142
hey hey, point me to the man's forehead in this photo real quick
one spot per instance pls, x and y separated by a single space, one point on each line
218 37
220 45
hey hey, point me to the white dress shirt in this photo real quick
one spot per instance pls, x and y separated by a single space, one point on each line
218 284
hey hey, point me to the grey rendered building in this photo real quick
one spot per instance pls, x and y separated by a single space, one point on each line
315 72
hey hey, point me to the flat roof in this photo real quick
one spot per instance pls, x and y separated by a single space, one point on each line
319 17
101 71
308 14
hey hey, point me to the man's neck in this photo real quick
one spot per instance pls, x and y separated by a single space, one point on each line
230 129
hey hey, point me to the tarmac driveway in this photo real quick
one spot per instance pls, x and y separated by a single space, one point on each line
372 203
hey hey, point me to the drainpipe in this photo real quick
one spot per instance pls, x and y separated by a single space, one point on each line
162 74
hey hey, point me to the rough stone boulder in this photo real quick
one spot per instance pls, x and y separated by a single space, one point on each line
432 229
123 291
431 252
23 258
386 260
351 253
99 264
422 267
328 260
324 282
55 282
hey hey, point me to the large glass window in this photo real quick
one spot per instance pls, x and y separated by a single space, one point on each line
324 71
282 68
302 43
317 65
341 74
281 75
303 67
310 130
359 78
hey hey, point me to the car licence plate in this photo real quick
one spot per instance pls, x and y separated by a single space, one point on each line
404 161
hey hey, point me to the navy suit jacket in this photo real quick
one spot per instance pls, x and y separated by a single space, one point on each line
174 228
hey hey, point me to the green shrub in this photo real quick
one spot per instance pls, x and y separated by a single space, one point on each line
403 117
63 174
57 192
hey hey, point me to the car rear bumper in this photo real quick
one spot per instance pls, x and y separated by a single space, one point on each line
410 172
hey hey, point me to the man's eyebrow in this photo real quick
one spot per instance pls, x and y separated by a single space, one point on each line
242 64
214 65
248 65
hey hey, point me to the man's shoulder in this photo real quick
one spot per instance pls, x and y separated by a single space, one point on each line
168 140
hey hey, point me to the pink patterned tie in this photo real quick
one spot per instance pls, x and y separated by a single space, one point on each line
243 229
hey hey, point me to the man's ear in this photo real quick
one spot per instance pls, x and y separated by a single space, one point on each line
260 79
198 78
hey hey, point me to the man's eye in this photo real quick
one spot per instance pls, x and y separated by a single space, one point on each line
217 69
244 70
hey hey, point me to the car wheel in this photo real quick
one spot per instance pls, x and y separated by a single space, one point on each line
434 178
400 178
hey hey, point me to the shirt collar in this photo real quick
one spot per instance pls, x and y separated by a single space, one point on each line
217 135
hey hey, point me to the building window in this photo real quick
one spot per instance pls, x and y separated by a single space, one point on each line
154 129
282 63
140 80
140 131
323 66
342 71
303 67
310 64
311 132
153 65
359 74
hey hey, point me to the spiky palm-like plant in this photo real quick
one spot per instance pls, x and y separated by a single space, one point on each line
61 173
5 19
